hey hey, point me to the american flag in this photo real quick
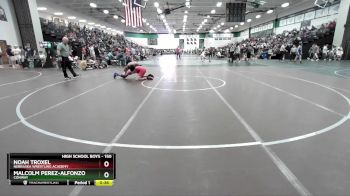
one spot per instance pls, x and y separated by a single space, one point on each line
133 13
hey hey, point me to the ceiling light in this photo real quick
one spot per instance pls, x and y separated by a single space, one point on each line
211 31
109 28
41 8
103 27
186 12
82 20
159 11
71 17
218 26
269 11
258 16
227 31
231 28
242 23
222 24
106 11
162 16
147 24
219 4
214 28
115 16
97 25
123 21
144 20
91 23
58 13
208 16
285 4
205 20
236 26
185 16
156 4
93 5
187 3
249 20
212 11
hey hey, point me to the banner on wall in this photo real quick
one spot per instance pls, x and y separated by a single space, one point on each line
152 41
283 22
309 15
2 14
333 9
305 23
299 18
321 12
290 20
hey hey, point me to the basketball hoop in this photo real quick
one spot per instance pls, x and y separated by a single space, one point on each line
321 3
141 3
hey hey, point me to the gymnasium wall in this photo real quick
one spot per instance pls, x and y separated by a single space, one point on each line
164 41
311 18
53 7
171 41
9 29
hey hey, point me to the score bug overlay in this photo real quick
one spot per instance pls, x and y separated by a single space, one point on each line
76 169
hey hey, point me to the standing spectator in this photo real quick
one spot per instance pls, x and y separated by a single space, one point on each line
293 53
339 53
92 52
325 52
23 54
299 54
178 52
283 52
237 53
63 51
97 52
17 52
10 56
232 52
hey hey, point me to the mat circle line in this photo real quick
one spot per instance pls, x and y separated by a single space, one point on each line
336 72
25 80
223 83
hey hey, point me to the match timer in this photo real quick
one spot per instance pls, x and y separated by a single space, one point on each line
76 169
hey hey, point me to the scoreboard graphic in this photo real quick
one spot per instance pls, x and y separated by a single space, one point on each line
76 169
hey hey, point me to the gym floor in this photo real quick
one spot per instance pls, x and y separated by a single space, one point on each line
200 128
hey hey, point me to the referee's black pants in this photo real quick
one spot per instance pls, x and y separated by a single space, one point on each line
67 64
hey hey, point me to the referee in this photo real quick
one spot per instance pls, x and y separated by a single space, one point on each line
63 51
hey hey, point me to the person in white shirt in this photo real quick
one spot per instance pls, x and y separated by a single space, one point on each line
339 53
17 52
283 52
204 55
325 52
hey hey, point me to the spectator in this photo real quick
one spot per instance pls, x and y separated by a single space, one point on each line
11 56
